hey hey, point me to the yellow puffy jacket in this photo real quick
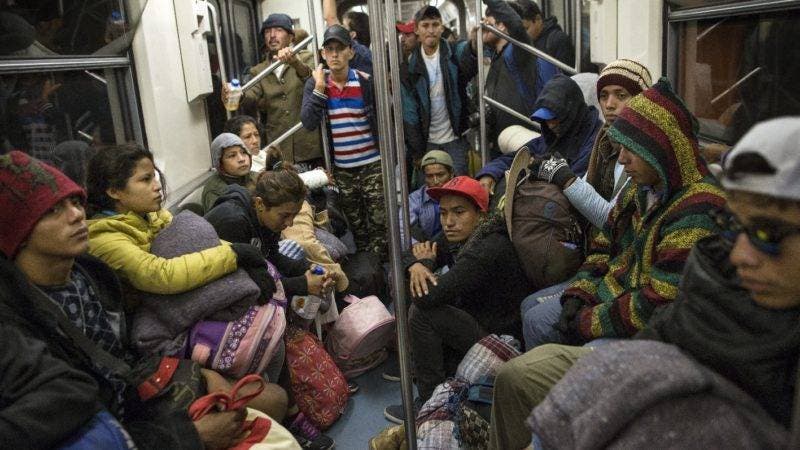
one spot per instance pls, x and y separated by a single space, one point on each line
123 242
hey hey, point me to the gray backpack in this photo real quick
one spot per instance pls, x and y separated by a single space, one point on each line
542 226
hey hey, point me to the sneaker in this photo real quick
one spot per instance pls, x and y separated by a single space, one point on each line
392 370
307 435
397 414
352 387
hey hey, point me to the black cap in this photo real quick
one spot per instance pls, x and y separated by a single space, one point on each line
337 33
278 21
427 12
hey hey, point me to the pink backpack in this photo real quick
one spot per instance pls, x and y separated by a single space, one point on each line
358 339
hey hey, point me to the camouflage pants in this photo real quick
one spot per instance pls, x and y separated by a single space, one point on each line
361 200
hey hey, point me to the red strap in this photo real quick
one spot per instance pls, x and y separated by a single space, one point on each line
156 383
259 429
226 401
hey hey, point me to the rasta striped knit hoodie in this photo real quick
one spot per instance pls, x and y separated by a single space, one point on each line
634 266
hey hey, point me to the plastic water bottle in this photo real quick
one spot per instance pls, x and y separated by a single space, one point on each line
234 95
306 306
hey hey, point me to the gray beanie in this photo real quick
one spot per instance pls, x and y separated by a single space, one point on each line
222 142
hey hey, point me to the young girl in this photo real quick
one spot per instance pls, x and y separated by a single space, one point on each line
125 194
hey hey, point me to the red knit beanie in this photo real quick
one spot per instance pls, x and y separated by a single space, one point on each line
28 189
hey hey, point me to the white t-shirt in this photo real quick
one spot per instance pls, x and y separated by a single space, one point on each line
440 131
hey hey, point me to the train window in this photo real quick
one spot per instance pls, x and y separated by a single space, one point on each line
246 39
49 28
53 116
737 70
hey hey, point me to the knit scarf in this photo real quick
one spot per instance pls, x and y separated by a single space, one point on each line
600 173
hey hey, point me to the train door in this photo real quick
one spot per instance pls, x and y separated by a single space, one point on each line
240 49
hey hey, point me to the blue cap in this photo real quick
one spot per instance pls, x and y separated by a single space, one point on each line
543 114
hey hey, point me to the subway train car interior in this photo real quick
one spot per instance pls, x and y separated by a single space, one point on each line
399 224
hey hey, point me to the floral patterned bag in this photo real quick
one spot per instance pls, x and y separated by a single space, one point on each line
319 388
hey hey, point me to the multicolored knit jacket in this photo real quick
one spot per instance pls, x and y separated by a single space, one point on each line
635 264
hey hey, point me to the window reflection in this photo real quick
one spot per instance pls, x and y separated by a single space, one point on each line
57 117
736 71
49 28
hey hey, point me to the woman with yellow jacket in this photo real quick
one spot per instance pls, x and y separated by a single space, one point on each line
125 192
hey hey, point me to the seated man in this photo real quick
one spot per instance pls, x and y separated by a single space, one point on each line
231 159
464 286
634 265
569 127
423 210
741 281
595 193
73 303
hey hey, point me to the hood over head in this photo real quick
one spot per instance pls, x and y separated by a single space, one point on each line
564 98
658 127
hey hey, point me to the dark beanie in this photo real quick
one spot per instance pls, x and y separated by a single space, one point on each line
278 20
28 189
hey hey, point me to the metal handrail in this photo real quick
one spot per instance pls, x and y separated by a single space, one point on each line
736 84
284 136
271 68
399 135
508 110
578 42
531 49
481 81
323 126
223 74
388 156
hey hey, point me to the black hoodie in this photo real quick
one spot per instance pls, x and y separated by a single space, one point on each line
579 123
235 220
555 42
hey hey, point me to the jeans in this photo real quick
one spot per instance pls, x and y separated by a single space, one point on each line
439 335
540 313
458 151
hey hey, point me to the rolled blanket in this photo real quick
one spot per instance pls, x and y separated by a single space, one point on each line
161 322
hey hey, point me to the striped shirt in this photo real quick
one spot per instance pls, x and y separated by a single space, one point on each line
353 141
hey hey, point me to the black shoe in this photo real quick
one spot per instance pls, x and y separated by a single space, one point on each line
392 370
352 387
308 436
397 414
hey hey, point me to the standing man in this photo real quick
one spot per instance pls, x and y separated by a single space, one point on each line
347 98
515 77
408 37
435 111
547 34
357 24
278 96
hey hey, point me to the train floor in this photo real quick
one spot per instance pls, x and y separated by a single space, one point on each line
363 417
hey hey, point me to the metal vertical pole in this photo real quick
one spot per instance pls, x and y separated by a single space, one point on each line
578 36
323 127
481 82
390 196
397 103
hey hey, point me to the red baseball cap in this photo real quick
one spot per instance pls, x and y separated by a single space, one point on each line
465 187
407 27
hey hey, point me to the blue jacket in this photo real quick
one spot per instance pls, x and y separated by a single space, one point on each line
362 58
580 124
315 107
459 65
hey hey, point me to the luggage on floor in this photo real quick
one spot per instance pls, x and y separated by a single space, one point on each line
358 339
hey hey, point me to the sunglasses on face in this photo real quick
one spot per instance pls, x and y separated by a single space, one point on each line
764 234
